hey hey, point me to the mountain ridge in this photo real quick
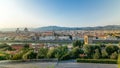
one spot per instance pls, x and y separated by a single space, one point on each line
57 28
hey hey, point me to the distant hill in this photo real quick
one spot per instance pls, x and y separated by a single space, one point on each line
57 28
51 28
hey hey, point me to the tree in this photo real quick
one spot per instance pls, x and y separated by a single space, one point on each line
5 47
20 54
104 54
17 56
29 55
42 53
77 43
111 49
114 55
76 51
51 53
2 56
60 52
26 46
90 50
97 54
66 56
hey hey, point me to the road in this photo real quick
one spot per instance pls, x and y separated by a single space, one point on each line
57 65
85 65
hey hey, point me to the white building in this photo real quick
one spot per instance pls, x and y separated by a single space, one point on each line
47 38
77 38
64 38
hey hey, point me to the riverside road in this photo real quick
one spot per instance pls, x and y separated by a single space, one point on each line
56 65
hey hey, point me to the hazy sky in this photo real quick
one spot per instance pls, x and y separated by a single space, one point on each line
70 13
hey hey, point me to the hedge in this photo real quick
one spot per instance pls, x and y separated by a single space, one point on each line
103 61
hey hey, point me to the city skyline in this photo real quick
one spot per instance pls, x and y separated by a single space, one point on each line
66 13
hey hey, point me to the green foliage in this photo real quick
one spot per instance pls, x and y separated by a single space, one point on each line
66 56
42 53
29 55
2 56
32 55
104 54
20 54
26 46
97 54
63 53
111 49
118 60
114 55
75 52
4 47
51 53
90 50
106 61
77 43
60 52
17 56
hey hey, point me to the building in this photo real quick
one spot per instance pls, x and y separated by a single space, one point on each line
64 38
18 31
47 38
49 33
88 39
96 40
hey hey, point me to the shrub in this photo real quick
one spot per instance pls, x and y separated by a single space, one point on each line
90 50
77 43
2 57
106 61
111 49
42 53
17 56
114 55
104 54
66 57
75 52
96 55
29 55
60 52
51 53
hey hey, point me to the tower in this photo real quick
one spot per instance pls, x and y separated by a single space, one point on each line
26 30
17 31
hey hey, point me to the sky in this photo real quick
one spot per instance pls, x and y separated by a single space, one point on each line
66 13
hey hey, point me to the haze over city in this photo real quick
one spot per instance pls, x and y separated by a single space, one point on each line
68 13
